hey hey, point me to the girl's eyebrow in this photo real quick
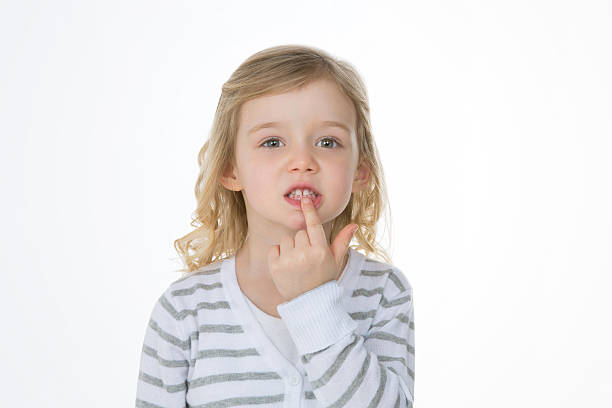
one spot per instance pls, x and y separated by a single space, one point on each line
331 123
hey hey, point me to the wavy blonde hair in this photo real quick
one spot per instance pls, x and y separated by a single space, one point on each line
220 218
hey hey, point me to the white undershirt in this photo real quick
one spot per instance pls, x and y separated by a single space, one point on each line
277 332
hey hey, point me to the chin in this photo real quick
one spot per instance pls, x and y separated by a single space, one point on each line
296 225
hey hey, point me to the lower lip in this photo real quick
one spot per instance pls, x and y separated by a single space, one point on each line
298 204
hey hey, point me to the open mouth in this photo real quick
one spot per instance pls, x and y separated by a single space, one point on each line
295 200
293 196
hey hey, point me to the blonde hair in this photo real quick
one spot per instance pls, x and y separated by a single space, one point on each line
220 218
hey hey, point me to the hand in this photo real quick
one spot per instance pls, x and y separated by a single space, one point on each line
306 262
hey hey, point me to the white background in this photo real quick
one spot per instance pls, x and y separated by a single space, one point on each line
493 120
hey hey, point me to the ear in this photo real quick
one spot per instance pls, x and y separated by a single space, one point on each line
362 177
229 178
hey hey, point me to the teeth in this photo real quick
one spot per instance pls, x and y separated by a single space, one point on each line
298 192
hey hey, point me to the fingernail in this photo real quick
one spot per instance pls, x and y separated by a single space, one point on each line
305 199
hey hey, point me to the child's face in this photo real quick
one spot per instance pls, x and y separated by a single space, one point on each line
298 149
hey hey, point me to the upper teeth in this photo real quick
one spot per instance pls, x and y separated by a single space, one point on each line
299 192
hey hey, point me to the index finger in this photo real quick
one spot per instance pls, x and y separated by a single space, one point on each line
315 230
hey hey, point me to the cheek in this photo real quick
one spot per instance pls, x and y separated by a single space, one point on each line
258 177
338 178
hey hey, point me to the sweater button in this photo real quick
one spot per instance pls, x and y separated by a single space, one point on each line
294 380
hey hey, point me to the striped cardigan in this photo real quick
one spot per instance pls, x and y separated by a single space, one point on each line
203 347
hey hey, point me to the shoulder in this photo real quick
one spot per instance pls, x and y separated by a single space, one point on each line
186 292
389 277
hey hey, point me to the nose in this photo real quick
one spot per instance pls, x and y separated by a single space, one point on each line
302 160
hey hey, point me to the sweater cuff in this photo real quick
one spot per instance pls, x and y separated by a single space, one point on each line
317 319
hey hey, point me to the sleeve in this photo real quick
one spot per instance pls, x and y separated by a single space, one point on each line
164 362
347 369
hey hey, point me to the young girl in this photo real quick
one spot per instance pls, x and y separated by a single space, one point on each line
275 309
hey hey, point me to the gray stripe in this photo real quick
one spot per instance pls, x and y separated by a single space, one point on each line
166 363
393 278
367 292
389 358
184 345
381 335
144 404
331 371
193 312
191 290
363 315
168 306
384 302
239 401
309 395
375 273
411 374
399 359
205 328
220 328
159 383
218 378
308 356
212 353
381 388
348 394
402 317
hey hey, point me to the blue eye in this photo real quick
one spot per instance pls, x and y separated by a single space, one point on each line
270 140
332 139
275 139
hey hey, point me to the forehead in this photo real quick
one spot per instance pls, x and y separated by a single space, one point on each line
319 101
